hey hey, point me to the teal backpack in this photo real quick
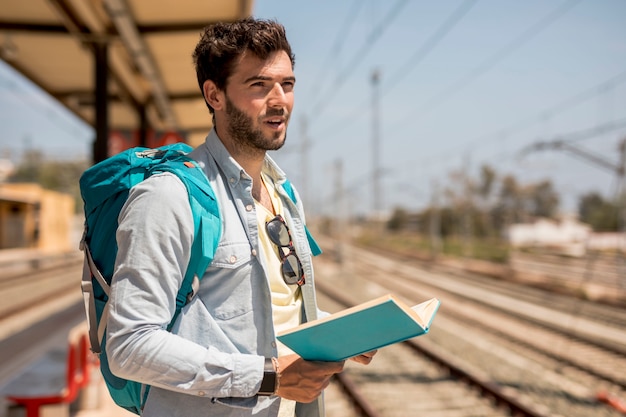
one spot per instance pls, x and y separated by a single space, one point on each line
104 189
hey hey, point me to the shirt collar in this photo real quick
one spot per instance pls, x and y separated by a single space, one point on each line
231 168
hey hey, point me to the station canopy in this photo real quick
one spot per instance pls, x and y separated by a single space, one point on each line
150 83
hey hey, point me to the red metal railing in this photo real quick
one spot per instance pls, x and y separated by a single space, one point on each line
78 376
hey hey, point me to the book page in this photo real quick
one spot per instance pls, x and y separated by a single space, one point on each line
342 313
425 311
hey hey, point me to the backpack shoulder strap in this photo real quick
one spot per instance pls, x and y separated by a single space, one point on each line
206 219
315 248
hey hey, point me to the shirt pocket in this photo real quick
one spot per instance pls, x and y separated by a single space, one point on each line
231 255
226 289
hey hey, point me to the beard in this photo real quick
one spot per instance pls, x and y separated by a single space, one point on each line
241 129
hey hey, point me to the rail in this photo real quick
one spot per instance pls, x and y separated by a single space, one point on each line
486 388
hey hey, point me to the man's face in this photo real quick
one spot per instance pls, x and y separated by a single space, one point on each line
259 101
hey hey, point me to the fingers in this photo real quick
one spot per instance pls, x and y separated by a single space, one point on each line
302 380
364 358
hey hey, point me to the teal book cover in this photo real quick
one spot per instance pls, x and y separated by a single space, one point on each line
372 325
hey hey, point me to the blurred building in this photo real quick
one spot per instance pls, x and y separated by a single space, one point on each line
32 217
6 169
568 236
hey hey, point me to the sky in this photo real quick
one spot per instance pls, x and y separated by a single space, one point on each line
461 84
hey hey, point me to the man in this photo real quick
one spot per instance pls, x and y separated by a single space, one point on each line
221 357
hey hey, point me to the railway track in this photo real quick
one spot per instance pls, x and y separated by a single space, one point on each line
472 363
33 291
413 378
552 371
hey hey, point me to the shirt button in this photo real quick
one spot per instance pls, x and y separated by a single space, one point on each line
249 207
233 259
253 252
232 180
273 344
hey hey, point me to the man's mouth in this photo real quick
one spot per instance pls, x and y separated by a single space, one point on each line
275 122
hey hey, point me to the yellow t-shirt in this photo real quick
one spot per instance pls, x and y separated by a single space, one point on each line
286 299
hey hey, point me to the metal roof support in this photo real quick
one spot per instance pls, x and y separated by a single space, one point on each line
123 21
101 65
143 125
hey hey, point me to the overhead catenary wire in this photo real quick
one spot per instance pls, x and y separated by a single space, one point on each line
337 45
52 114
487 64
551 111
491 61
414 60
566 142
360 54
423 51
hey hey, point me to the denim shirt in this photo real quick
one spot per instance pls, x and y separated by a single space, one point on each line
211 363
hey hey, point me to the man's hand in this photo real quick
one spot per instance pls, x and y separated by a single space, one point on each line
302 380
364 358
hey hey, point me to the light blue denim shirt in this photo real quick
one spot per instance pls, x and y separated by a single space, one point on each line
211 363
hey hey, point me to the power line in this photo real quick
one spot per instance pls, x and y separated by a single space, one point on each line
588 94
492 60
485 140
371 39
430 44
52 114
341 37
565 142
420 54
486 65
566 139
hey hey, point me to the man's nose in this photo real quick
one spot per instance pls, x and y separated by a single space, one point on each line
277 96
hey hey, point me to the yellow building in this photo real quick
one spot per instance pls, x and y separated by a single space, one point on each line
32 217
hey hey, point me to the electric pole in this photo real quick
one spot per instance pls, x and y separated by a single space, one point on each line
376 194
304 161
435 222
618 168
340 209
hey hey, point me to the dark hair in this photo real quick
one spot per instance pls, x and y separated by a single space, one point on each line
221 44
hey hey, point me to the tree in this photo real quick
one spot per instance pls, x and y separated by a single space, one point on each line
399 220
509 206
600 214
61 176
29 169
543 200
485 189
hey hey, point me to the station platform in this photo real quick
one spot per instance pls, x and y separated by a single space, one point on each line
59 389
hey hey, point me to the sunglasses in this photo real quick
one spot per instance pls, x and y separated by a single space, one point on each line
290 265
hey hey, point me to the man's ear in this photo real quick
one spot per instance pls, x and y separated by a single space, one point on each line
213 95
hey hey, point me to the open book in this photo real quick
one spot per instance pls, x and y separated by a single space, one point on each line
359 329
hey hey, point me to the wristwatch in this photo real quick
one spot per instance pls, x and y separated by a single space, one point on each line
270 379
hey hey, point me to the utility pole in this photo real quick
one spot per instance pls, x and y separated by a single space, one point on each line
304 161
621 192
340 209
435 222
467 208
618 168
376 194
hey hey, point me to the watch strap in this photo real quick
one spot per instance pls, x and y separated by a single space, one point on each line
270 379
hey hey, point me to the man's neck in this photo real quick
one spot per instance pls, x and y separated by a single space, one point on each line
250 159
